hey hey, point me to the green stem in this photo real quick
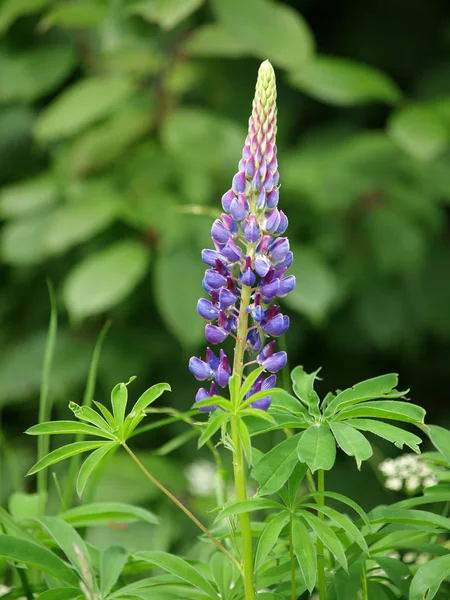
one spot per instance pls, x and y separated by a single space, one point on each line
25 583
292 555
364 589
320 549
45 404
238 459
180 505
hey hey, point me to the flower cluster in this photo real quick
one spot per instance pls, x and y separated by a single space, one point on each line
250 257
407 471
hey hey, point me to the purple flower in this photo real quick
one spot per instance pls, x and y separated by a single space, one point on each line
248 264
202 394
200 369
215 334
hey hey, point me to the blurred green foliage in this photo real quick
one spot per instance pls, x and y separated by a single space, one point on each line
121 125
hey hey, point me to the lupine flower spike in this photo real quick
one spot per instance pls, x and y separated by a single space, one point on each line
247 267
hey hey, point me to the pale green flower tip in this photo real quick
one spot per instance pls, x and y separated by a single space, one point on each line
266 89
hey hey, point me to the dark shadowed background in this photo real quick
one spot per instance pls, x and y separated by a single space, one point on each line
121 126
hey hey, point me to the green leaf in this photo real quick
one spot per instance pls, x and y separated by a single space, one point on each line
86 413
317 448
176 269
23 506
257 413
167 14
328 537
383 514
213 400
268 29
305 552
397 572
30 553
214 424
80 105
273 393
351 441
428 578
69 541
370 389
345 82
27 76
60 594
119 399
275 467
341 498
215 40
295 480
112 561
180 568
249 381
289 403
343 522
440 438
64 452
90 465
418 131
138 411
67 427
317 289
269 537
78 221
224 574
397 436
19 199
23 240
245 439
237 508
303 386
10 10
101 513
75 14
386 409
104 279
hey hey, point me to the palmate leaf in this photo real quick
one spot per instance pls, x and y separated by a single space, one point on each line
399 437
180 568
305 552
64 452
427 581
275 467
239 507
214 424
385 409
317 448
68 427
351 441
269 537
101 513
343 522
91 463
327 535
303 386
341 498
383 514
288 403
30 553
371 389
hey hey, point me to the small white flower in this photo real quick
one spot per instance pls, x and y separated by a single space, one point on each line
388 467
412 483
409 557
201 478
429 481
394 483
422 558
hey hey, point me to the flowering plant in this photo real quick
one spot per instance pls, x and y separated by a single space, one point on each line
309 540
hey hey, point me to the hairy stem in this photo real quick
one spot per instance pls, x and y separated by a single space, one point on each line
292 555
320 549
180 505
238 459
